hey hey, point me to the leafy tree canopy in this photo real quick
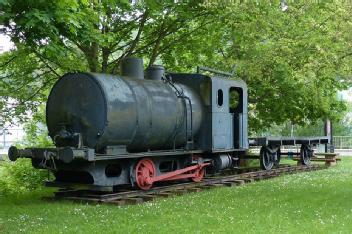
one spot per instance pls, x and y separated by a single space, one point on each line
294 60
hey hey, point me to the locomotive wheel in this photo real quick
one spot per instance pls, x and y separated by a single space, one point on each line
305 155
266 159
145 170
199 175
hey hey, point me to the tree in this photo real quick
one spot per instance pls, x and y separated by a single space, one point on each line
294 61
82 35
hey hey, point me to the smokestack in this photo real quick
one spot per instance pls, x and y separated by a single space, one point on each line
132 67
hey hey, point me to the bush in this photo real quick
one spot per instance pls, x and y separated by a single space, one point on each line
36 131
20 177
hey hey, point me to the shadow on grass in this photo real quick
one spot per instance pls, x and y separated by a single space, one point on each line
27 198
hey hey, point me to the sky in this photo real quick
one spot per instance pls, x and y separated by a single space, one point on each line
5 43
347 95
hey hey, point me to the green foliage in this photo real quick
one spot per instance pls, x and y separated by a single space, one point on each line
294 61
36 132
291 60
342 127
81 35
20 177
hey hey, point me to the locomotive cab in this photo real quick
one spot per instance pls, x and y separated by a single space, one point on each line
224 126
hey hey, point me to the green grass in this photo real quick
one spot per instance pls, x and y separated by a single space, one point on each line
316 202
256 163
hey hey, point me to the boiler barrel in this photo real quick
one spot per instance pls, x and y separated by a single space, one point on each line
112 110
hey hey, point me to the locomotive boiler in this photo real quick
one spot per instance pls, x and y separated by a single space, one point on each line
126 111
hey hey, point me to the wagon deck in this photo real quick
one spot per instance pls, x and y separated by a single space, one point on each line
280 141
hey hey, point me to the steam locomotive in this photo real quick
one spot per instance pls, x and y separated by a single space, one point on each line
143 127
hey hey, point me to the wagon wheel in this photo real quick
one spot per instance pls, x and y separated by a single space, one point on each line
305 155
145 170
278 157
266 159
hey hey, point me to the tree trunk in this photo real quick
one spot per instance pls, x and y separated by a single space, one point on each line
155 51
104 64
91 54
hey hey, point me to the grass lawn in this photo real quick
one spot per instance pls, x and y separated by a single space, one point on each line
317 202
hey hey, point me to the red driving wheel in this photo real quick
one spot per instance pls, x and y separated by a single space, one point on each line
145 170
199 174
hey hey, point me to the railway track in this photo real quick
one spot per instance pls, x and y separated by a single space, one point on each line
138 196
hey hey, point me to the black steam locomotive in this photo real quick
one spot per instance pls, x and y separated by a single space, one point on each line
140 128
